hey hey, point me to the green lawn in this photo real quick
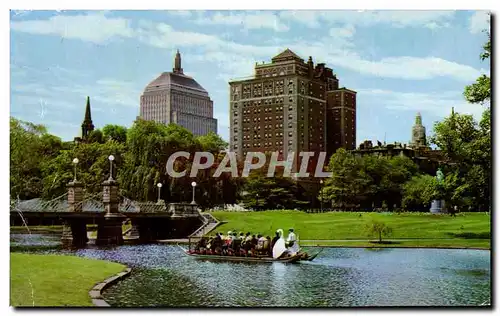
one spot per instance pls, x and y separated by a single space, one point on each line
417 243
466 229
52 280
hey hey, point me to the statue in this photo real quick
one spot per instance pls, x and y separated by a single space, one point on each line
439 176
437 206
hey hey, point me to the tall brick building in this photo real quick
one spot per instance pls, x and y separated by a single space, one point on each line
341 120
291 106
176 98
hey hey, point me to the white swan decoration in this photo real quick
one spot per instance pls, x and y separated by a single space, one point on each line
279 247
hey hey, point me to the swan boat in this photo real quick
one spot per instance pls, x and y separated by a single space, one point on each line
259 259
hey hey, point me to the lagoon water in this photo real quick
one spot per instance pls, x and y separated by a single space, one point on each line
339 277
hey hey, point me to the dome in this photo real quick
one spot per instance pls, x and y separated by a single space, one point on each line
169 80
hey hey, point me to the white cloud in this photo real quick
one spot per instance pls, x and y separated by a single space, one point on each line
279 21
306 17
341 37
479 21
182 13
346 31
410 18
96 28
405 67
437 104
247 20
237 60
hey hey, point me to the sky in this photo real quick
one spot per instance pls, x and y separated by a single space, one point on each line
399 62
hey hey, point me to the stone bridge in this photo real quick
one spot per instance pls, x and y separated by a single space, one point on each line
109 210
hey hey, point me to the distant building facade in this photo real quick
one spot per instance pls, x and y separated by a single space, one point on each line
291 106
426 158
176 98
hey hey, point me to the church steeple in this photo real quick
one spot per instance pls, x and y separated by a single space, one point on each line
87 125
177 64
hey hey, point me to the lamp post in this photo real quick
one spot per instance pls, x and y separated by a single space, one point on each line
257 196
111 158
75 162
321 192
193 184
159 185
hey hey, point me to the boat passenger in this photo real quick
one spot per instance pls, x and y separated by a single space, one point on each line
226 242
253 243
260 244
235 244
292 243
201 245
216 244
267 243
247 242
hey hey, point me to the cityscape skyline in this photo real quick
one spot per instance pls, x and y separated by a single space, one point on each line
419 63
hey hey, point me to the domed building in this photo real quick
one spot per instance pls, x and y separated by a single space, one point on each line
176 98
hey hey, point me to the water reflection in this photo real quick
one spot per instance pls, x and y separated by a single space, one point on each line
163 276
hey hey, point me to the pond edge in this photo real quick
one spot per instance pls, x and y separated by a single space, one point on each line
96 292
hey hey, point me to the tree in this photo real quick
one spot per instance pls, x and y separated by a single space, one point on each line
92 169
467 145
480 91
149 145
399 171
30 147
277 192
378 229
366 181
95 137
349 183
115 132
212 143
419 192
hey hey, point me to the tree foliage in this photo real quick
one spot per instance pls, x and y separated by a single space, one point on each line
378 229
480 91
278 192
30 147
419 192
467 144
114 132
366 181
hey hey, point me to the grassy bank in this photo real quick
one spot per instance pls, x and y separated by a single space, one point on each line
424 229
37 229
52 280
394 243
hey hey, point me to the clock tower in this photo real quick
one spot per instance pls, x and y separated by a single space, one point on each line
418 137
